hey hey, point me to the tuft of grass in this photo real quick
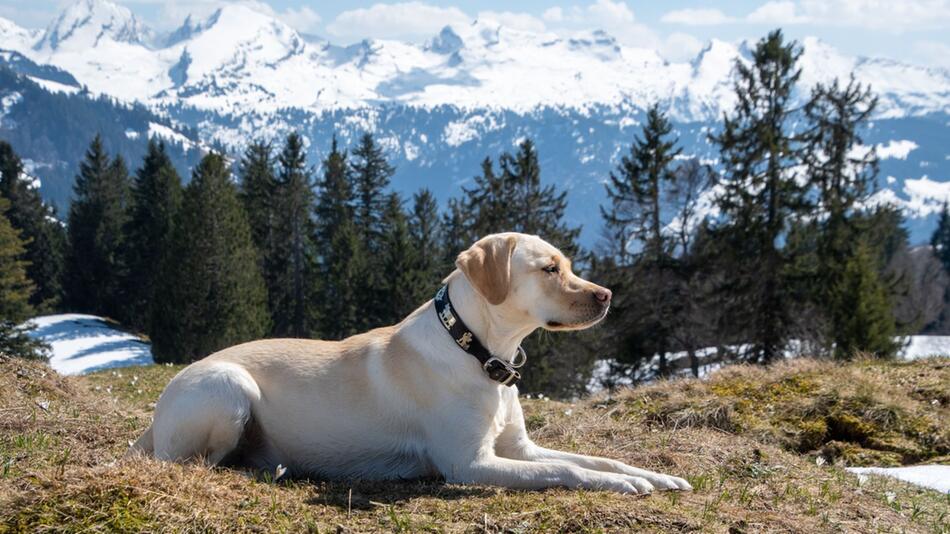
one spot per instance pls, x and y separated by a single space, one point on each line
870 412
737 438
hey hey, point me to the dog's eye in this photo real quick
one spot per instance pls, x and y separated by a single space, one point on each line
552 269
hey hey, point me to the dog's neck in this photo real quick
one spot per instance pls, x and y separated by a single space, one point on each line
500 332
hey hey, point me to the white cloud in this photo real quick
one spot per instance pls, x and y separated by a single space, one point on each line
932 53
608 11
406 20
696 17
890 15
680 46
553 14
173 12
614 17
518 21
878 14
777 12
302 19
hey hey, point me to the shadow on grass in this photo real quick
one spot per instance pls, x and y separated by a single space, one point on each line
368 495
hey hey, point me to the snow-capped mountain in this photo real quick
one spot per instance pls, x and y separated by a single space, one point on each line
240 60
89 24
470 91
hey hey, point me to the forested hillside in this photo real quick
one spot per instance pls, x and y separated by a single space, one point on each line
50 129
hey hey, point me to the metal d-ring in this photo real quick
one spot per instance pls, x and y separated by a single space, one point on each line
524 358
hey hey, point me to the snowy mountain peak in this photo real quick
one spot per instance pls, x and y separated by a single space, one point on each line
13 37
244 60
187 30
85 23
598 42
716 51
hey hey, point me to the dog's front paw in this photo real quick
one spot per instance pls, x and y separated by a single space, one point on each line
643 485
620 483
667 482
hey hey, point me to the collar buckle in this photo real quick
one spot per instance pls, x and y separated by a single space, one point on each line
501 372
498 370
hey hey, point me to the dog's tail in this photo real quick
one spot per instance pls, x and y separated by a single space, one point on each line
143 445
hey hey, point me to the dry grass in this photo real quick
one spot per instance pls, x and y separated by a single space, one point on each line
735 438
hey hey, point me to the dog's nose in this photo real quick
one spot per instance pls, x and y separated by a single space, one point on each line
602 294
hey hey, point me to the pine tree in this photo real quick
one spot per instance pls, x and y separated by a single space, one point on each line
487 204
838 166
290 264
156 197
44 236
398 262
341 254
870 327
647 278
843 174
425 229
211 294
940 240
540 208
258 189
636 190
761 194
15 291
372 174
456 232
15 286
97 216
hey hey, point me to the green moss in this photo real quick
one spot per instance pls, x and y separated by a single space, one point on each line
535 421
110 510
855 455
887 410
811 434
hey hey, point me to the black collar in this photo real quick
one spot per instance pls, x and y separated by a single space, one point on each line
498 370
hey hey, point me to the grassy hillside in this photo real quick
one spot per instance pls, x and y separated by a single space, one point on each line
763 448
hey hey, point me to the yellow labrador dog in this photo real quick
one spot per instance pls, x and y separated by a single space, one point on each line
429 396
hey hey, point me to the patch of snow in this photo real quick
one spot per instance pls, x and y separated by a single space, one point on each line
896 149
411 150
166 133
54 87
9 100
925 196
16 38
922 196
628 122
83 343
916 347
31 181
132 134
925 347
935 477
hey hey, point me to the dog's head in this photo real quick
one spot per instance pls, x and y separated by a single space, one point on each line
529 278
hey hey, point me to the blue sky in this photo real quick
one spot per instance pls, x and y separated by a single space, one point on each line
916 31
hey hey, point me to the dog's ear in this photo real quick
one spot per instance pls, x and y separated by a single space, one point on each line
487 265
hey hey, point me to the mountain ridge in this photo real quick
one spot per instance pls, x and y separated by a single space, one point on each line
256 62
440 106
